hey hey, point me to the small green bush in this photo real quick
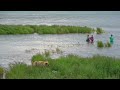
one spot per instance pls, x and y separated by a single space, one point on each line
99 31
100 44
58 50
107 44
1 72
38 57
47 53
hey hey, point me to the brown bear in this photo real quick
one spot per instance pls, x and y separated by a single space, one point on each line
40 63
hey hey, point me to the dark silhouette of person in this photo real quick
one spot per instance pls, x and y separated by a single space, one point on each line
88 39
92 39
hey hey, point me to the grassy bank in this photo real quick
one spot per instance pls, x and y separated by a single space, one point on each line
43 29
70 67
1 72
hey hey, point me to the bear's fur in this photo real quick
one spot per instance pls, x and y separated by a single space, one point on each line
40 63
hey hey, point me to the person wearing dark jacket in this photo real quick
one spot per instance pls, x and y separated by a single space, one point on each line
92 39
88 39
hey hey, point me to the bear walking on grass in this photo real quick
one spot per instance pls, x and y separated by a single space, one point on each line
40 63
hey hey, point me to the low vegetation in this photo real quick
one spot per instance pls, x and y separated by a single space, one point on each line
1 72
44 29
100 44
108 44
99 31
69 67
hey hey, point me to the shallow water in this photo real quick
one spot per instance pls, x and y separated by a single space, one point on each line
23 47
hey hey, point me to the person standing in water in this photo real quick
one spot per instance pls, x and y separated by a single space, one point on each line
92 39
88 39
111 39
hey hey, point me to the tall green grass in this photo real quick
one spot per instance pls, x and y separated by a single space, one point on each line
99 30
100 44
69 67
1 72
107 44
15 29
44 29
38 57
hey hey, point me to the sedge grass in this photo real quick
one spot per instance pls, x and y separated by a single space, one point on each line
69 67
44 29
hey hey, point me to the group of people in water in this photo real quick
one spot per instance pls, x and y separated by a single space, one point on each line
91 39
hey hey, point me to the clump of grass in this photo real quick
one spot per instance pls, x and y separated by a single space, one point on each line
99 31
69 67
38 57
58 51
53 51
18 69
47 53
1 72
41 57
107 44
15 29
100 44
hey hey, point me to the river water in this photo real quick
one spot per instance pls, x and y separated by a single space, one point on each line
22 47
